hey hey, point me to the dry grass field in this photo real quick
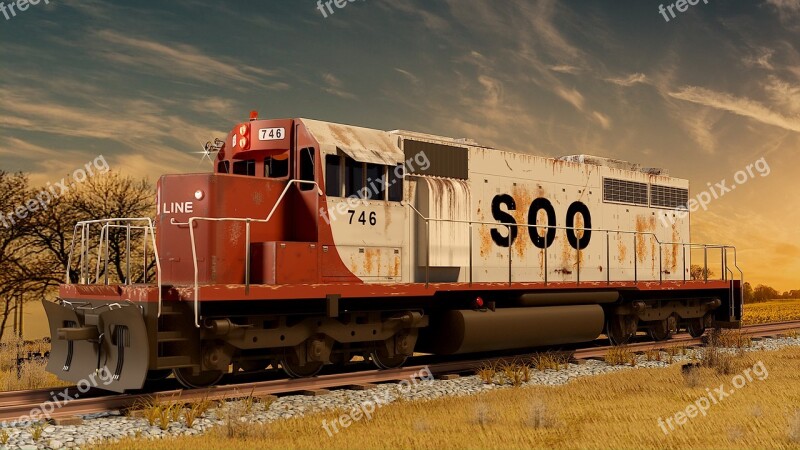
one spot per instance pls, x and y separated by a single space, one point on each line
618 410
772 311
32 374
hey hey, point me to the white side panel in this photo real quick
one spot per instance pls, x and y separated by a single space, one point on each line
450 201
504 180
373 263
369 236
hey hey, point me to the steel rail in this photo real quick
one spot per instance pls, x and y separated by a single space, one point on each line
16 404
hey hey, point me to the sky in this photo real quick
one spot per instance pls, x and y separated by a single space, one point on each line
703 95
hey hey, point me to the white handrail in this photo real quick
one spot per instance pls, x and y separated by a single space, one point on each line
247 221
84 226
705 247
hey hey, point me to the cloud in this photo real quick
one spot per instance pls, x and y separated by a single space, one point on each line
786 9
565 68
410 76
182 61
602 119
334 86
19 148
493 90
740 106
700 127
762 59
221 107
784 94
630 80
571 96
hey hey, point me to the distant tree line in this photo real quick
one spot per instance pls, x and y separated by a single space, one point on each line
763 293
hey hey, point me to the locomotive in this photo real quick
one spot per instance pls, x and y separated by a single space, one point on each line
312 243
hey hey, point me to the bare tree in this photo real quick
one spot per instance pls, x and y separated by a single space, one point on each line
35 251
104 196
14 246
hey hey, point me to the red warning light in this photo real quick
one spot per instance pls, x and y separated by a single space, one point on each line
253 115
479 302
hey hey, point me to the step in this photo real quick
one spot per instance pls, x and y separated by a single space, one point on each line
171 311
171 336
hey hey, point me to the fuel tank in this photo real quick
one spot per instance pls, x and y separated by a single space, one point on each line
469 331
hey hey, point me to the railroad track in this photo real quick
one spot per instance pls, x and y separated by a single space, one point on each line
16 404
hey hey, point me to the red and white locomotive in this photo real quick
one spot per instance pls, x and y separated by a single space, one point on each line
313 242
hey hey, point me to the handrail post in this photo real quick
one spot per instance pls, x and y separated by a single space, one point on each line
99 254
608 258
546 247
660 264
144 256
128 252
158 263
578 256
196 276
635 260
684 262
82 262
724 264
247 257
470 253
427 253
705 263
105 267
509 254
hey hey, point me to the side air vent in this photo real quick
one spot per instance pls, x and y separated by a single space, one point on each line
623 191
446 161
668 197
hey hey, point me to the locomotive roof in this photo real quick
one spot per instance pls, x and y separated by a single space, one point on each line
380 147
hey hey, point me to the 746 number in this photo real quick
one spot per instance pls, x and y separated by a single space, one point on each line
362 218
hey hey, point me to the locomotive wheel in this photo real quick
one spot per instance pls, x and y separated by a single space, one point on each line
382 360
291 365
661 330
696 327
202 380
621 329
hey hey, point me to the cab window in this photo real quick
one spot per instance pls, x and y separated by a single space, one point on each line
333 175
396 183
276 168
247 167
307 168
376 187
353 178
224 167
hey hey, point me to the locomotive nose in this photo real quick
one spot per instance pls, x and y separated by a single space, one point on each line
103 347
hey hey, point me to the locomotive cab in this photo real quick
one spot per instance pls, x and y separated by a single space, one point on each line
261 174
